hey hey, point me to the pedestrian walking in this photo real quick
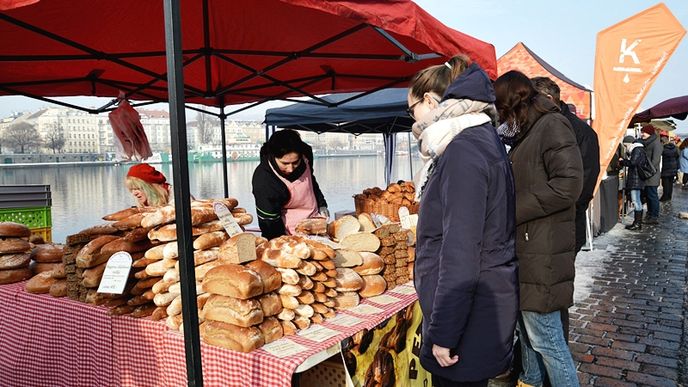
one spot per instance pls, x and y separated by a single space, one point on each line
653 149
670 161
635 156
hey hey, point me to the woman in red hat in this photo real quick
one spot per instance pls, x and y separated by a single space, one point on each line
148 185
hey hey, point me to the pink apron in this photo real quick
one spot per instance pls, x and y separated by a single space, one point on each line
302 203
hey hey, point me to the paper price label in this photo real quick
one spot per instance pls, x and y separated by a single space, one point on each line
318 333
406 290
366 309
383 299
405 218
116 273
227 219
345 320
283 348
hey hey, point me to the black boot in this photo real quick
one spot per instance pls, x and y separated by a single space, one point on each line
637 221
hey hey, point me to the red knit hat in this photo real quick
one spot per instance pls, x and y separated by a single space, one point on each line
649 129
147 173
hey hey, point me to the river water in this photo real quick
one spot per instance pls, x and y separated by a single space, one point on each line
83 194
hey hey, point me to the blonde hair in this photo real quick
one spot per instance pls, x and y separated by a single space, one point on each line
156 194
437 78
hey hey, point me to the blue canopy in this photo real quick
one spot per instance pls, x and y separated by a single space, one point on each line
383 111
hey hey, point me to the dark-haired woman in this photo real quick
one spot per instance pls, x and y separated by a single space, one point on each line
284 186
548 175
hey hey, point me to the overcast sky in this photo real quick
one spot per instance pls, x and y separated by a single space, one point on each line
561 32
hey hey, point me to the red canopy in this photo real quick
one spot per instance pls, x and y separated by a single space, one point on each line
234 51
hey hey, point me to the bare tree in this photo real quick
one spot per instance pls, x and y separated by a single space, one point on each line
207 126
55 139
22 137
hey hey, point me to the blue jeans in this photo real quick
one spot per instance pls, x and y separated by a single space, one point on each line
652 201
635 198
543 348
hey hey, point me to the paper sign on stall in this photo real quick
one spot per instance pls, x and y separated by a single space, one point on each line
404 289
227 219
318 333
345 320
283 348
116 273
405 218
383 299
365 309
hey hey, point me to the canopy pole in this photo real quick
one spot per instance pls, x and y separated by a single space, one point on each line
175 86
408 134
223 118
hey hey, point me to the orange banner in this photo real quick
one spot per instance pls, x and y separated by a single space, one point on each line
628 58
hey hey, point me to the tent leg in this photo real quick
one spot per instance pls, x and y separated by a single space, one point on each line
223 118
408 135
175 86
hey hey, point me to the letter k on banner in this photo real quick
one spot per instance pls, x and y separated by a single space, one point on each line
628 58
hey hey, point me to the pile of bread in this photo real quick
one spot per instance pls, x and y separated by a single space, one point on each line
398 253
387 202
19 259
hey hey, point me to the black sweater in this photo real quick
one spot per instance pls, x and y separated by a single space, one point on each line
272 195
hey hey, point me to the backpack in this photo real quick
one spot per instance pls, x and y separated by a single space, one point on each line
645 169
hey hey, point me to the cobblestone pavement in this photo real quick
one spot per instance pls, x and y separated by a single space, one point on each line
627 324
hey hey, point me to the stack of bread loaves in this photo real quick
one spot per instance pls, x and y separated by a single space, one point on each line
240 310
14 252
51 277
387 202
308 274
394 252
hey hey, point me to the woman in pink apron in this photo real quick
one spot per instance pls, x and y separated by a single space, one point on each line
284 186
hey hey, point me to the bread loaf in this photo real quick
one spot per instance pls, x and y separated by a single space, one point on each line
127 212
121 310
95 231
290 290
210 240
372 264
159 268
306 283
361 241
312 226
289 301
14 261
14 230
346 300
47 253
305 298
348 280
129 223
40 283
160 216
231 336
175 307
302 322
271 329
286 314
366 222
58 289
289 276
233 281
144 310
373 285
271 278
244 313
343 226
162 286
270 304
347 258
59 272
239 249
14 245
320 251
88 255
159 313
177 288
164 299
307 268
288 327
92 276
37 267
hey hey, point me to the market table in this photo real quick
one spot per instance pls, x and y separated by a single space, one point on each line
47 341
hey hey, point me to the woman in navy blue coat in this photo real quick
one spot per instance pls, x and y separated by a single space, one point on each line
466 271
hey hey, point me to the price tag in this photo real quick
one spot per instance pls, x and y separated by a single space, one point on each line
227 219
116 273
365 309
376 220
283 348
405 218
406 290
383 299
318 333
345 320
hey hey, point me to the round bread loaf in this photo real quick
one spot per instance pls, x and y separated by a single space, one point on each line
14 275
40 283
12 229
47 253
14 261
13 245
373 285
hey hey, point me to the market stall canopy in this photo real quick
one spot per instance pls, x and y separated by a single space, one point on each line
233 51
671 108
521 58
383 111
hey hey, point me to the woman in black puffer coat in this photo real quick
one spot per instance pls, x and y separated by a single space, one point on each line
670 156
635 155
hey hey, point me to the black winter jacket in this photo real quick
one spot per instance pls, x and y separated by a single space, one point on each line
653 150
670 156
634 157
548 172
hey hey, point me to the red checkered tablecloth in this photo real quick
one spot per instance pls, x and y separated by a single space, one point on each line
47 341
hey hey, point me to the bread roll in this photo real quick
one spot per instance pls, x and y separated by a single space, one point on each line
319 308
346 300
372 264
330 302
410 267
330 314
172 275
288 327
304 310
13 245
307 268
373 285
270 304
317 318
91 277
97 230
343 226
200 270
306 283
347 258
170 251
159 313
40 283
305 297
330 283
290 290
47 253
155 253
174 322
164 299
209 240
162 215
320 251
58 289
286 314
175 307
302 322
312 226
318 287
144 310
37 267
244 313
328 264
14 230
411 251
162 286
271 278
234 281
87 256
271 329
158 268
289 276
14 261
142 285
320 297
289 302
348 280
239 249
231 336
139 300
177 288
362 241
